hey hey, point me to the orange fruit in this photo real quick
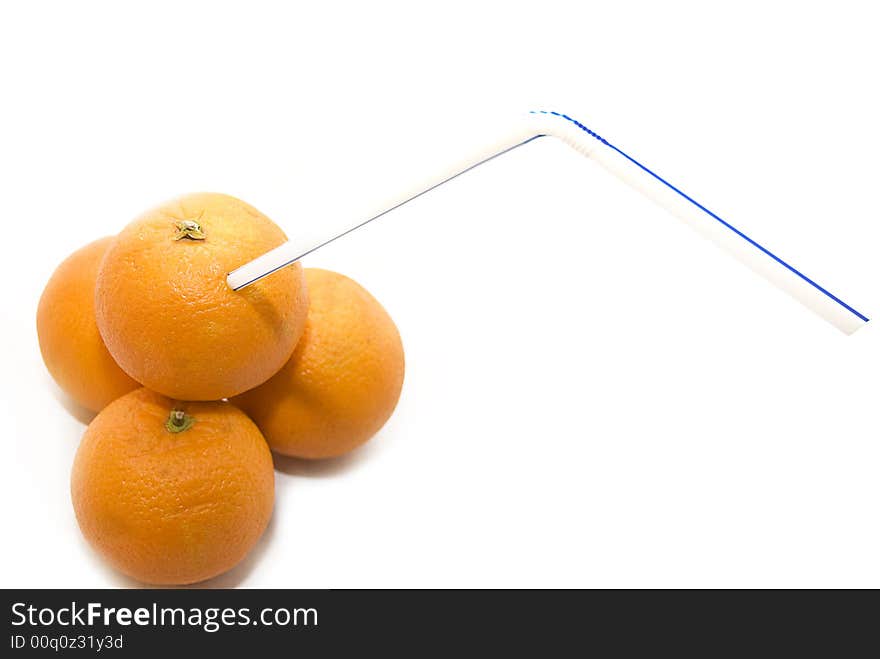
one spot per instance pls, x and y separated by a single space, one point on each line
69 339
167 315
172 493
344 378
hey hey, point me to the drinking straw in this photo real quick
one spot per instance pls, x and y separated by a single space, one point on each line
543 123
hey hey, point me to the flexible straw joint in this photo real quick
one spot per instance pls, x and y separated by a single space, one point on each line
572 120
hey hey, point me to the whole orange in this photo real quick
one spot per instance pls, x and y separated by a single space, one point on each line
344 378
70 343
167 315
172 493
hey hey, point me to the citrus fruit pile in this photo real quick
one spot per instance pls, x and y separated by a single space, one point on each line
193 383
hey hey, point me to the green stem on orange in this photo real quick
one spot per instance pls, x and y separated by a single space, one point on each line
178 421
189 229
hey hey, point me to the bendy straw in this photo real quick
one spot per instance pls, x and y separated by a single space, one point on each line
543 123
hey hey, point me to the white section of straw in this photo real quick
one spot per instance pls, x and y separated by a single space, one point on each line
533 126
306 242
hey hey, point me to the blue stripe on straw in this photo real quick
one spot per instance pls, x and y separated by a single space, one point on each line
708 212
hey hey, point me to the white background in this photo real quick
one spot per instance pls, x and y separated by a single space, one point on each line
595 396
